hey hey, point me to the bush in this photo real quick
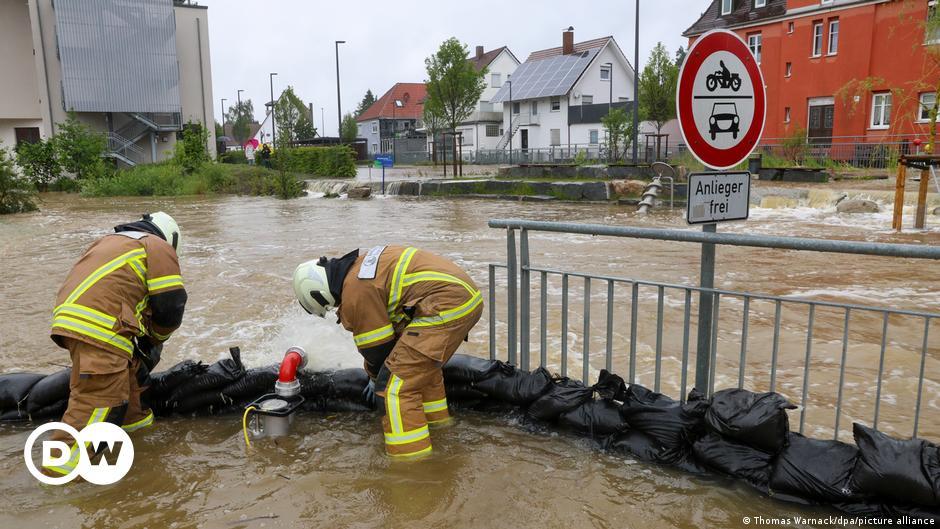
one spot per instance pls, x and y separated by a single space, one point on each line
39 163
334 162
190 153
17 194
233 157
79 150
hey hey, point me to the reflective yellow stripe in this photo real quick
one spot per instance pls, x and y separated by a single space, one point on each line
160 283
97 415
412 436
143 423
393 406
373 336
137 265
138 313
87 313
158 336
104 270
413 454
417 277
450 315
436 405
394 290
94 331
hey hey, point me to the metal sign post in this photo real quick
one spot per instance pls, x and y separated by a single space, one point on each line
721 106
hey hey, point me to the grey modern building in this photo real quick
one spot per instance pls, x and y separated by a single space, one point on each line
136 71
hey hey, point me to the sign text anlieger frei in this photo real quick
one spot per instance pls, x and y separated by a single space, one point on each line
715 197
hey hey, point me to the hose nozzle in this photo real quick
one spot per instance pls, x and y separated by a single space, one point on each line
287 384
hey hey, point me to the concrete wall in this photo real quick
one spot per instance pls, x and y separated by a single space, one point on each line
20 102
192 48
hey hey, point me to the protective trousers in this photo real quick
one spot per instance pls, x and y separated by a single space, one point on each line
103 388
412 384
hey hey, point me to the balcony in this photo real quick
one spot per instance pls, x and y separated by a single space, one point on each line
583 114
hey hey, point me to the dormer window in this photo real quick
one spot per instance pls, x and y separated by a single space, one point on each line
726 7
760 3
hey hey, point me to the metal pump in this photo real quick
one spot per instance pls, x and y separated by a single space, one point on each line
276 410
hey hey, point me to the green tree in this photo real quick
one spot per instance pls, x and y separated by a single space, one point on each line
39 162
658 88
454 85
190 153
219 131
680 57
241 116
367 101
350 129
619 133
434 125
17 194
292 118
79 149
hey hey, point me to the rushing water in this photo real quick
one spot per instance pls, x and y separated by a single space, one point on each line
237 261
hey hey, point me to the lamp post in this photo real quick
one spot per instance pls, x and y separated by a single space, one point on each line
223 116
323 120
398 104
273 127
610 82
636 84
510 119
240 97
339 106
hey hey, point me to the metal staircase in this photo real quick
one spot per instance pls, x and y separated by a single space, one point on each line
514 124
122 143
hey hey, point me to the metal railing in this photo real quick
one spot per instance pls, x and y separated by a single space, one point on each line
520 314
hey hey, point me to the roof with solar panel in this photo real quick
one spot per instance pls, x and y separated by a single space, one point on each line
550 72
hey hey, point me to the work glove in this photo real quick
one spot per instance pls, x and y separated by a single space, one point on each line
148 351
368 394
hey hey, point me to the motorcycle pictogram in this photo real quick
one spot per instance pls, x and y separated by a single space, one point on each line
723 78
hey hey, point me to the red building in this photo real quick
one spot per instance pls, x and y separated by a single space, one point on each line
843 71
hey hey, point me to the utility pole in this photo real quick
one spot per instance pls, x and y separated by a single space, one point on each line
273 127
339 105
223 116
636 84
240 99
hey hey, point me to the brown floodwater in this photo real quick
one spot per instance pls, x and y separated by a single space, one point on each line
487 470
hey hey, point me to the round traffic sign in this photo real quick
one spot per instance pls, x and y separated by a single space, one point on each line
720 100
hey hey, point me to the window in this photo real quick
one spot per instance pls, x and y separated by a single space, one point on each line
833 37
605 73
755 43
786 115
556 136
817 39
592 135
515 107
726 7
492 130
760 3
535 108
556 104
790 27
927 100
375 127
881 110
789 70
587 100
932 32
496 80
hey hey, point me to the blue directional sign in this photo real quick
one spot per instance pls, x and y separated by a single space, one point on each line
385 160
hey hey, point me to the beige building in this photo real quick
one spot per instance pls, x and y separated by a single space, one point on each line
135 70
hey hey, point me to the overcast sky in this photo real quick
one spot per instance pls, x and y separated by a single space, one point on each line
387 41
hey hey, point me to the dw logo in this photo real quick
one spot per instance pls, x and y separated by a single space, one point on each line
105 441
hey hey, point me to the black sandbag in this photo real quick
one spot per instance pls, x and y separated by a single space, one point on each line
563 395
892 468
52 411
348 384
313 385
14 415
162 384
462 391
756 419
256 382
635 443
920 513
467 369
14 387
596 418
814 469
733 458
508 384
334 405
219 375
204 403
50 390
610 386
675 426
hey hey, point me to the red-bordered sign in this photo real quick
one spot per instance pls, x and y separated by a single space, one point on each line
720 100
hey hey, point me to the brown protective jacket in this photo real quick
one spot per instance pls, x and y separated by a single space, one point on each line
105 300
410 288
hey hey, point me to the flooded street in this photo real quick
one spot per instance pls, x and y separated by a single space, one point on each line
237 261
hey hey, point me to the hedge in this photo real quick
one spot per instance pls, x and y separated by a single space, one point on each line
331 162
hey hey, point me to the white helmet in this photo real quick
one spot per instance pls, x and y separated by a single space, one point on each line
313 288
167 226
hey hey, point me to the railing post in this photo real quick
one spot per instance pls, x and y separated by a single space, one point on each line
524 292
706 280
511 293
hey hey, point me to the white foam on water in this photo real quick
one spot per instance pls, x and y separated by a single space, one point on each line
328 344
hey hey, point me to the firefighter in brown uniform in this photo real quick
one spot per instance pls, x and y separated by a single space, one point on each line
119 303
408 310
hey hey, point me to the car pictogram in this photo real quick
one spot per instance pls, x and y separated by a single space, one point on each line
724 118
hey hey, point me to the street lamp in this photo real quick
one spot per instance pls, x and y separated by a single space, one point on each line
610 81
339 106
398 104
273 128
240 98
636 85
508 81
223 116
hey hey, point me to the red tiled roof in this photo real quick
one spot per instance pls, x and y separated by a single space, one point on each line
484 60
578 47
412 96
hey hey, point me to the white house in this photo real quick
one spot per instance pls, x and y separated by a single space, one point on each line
484 127
557 97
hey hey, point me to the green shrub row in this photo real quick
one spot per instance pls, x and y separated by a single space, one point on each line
330 162
169 179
